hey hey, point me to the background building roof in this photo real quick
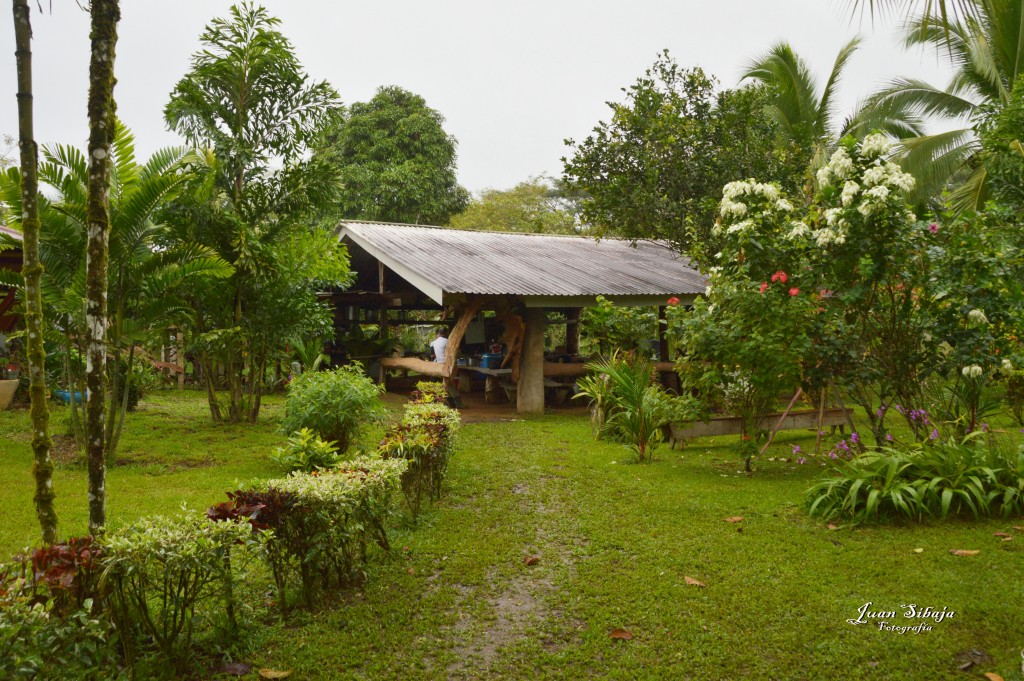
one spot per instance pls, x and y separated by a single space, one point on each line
441 261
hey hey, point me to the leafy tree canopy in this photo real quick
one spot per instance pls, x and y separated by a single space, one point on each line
537 205
396 161
655 170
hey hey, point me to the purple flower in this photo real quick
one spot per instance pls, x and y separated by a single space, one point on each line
801 460
796 449
854 438
888 437
984 427
900 409
880 412
934 434
832 455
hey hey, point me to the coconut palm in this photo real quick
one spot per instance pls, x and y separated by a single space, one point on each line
806 115
988 55
147 266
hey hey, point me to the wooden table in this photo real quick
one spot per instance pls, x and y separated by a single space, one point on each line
492 383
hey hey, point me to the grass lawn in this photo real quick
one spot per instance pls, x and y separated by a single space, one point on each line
616 542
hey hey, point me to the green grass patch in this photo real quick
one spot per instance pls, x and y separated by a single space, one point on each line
616 542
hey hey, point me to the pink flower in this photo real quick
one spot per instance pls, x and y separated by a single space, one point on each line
933 228
794 291
779 276
673 301
764 286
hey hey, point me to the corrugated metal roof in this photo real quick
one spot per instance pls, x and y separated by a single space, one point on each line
11 232
502 263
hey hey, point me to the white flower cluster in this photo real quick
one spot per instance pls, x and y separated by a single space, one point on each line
977 318
839 167
875 146
798 230
972 371
730 207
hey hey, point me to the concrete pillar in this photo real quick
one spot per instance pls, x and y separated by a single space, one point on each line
530 389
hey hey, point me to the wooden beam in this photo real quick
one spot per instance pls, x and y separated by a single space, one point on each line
466 316
733 425
530 387
420 366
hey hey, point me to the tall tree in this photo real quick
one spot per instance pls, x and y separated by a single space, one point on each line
32 270
535 206
248 99
397 162
655 170
105 14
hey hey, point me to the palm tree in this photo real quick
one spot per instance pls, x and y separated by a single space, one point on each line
148 265
807 116
987 54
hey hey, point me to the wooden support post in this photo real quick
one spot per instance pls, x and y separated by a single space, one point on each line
530 387
778 424
821 420
572 332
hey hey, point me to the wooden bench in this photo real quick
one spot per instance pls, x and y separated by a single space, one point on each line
733 425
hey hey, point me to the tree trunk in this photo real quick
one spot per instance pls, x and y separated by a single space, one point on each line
105 15
211 389
32 270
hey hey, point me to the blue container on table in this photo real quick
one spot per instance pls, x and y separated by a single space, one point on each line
65 396
491 360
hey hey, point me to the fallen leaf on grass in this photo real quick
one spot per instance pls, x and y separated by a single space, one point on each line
693 582
531 560
275 673
621 634
833 526
1007 539
918 550
1019 528
236 668
964 552
1001 534
734 519
992 676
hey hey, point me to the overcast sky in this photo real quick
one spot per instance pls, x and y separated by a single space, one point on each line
513 79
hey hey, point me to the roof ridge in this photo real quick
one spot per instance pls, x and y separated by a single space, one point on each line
659 242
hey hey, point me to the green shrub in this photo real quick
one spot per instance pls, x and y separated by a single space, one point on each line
430 391
166 576
306 452
425 438
969 478
335 404
45 636
633 409
315 527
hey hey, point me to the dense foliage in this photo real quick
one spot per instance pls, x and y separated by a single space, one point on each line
425 438
335 404
256 193
655 170
965 478
537 206
395 160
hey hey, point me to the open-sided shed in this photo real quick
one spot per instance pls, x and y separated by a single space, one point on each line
519 276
